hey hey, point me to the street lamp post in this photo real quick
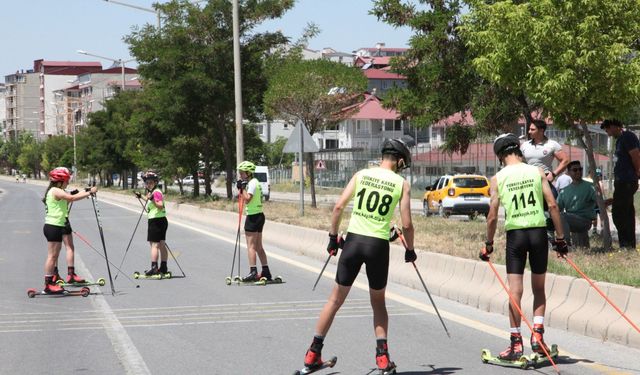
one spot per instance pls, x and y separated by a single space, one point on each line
115 61
157 12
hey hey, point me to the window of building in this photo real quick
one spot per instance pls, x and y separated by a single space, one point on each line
260 129
330 143
392 125
362 127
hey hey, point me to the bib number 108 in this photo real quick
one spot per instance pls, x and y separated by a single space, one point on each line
374 202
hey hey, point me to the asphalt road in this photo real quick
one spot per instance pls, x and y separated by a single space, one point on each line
198 325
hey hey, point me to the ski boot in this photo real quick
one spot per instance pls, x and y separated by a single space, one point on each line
515 350
385 366
313 358
266 274
537 341
56 277
72 278
53 288
251 277
152 272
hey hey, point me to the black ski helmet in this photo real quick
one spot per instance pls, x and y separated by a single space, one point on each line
399 149
504 143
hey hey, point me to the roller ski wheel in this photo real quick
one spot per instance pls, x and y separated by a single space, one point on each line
227 280
136 275
523 362
84 292
388 371
309 370
540 358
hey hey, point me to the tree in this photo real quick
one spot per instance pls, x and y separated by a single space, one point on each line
30 155
440 79
57 152
187 68
299 91
578 59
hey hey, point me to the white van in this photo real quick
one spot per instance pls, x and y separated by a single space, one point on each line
262 174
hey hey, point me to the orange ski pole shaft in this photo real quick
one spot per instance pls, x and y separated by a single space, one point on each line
515 304
601 293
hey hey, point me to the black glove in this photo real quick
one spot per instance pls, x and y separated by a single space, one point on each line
87 189
393 234
560 246
486 251
410 256
241 184
138 195
74 191
335 243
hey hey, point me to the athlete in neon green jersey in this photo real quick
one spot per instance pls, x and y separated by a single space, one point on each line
251 192
522 189
157 224
57 228
375 193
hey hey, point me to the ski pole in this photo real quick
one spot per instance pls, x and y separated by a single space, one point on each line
236 248
602 294
104 246
514 304
130 240
174 259
340 242
404 243
98 252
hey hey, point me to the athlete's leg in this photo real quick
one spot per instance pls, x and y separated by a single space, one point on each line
68 244
380 316
155 251
336 299
262 255
252 243
162 249
539 296
515 289
53 251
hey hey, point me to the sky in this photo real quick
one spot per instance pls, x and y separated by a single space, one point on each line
56 29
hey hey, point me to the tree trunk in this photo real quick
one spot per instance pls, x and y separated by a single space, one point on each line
526 110
196 183
207 178
587 143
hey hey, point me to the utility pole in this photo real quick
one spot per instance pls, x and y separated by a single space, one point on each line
237 84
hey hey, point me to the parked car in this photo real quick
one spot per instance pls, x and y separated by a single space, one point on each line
188 180
464 194
262 174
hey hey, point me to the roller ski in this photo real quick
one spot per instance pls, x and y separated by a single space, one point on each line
313 362
152 276
537 344
77 282
58 291
255 278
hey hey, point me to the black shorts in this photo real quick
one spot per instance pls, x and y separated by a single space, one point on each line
53 233
157 230
523 241
67 227
254 223
359 249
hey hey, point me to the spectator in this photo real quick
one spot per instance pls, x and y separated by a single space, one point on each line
599 189
576 203
562 181
625 182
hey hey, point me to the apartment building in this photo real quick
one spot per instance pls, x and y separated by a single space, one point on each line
3 111
88 93
30 94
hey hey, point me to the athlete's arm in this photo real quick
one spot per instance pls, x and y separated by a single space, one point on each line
553 206
60 194
405 214
347 194
494 206
159 204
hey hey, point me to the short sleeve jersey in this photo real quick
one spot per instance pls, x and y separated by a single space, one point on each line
520 190
377 193
255 204
540 154
153 212
623 170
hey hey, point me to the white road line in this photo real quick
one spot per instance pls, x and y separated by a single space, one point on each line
122 344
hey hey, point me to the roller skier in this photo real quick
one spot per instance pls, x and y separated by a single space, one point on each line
375 193
522 190
57 228
157 226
